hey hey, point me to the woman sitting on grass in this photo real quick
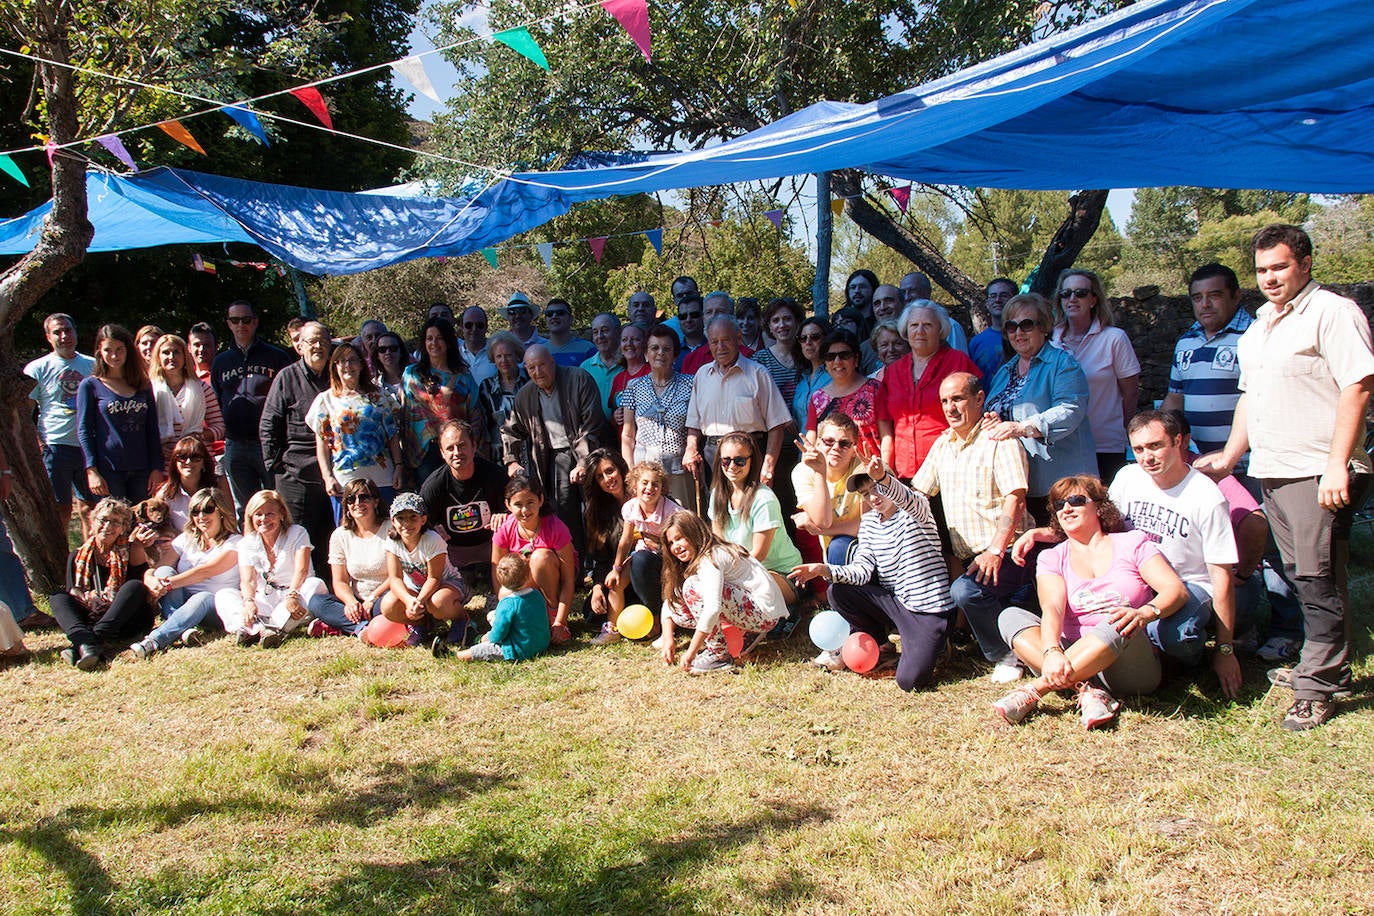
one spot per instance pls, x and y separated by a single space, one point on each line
708 582
274 575
357 563
602 477
207 557
637 558
546 544
1097 591
423 587
105 596
745 512
190 470
520 623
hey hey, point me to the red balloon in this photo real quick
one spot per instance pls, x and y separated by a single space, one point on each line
388 634
734 638
860 652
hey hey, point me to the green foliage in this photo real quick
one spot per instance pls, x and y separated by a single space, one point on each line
930 216
1343 236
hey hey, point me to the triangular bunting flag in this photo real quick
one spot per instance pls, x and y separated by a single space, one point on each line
10 168
902 196
521 41
633 16
201 265
310 97
115 146
490 254
775 217
655 237
180 134
837 206
413 70
546 252
715 223
248 121
50 148
598 246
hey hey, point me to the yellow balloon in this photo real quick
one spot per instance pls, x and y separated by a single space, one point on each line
635 622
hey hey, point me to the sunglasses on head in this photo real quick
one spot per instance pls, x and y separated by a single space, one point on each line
1025 325
1077 501
1072 293
738 461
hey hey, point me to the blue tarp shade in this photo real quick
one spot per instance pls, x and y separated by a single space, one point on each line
1216 93
320 232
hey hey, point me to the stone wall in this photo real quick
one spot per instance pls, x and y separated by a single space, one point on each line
1154 324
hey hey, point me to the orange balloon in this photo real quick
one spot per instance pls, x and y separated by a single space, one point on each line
734 638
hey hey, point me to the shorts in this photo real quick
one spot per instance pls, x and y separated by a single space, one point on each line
66 467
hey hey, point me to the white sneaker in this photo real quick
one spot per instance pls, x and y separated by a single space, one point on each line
1007 672
1278 648
829 659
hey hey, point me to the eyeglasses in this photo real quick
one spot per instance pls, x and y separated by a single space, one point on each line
1077 501
109 521
389 349
838 354
810 338
519 311
203 510
832 443
1025 326
1075 293
358 498
738 461
240 319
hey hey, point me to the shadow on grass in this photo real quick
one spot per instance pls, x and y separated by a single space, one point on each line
492 871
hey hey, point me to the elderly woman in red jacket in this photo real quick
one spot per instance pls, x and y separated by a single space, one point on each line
909 414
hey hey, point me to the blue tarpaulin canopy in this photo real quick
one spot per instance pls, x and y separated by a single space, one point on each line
1270 94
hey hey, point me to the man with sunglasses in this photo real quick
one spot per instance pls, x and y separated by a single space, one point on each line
520 315
473 343
241 377
567 348
982 485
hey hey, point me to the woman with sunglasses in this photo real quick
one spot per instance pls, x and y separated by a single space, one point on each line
186 405
391 358
745 512
1108 360
357 560
910 417
1040 397
190 470
849 391
811 373
1098 589
357 430
829 510
207 557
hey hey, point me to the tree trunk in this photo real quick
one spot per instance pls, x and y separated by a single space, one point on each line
31 510
1085 212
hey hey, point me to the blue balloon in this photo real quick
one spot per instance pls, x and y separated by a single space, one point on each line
829 630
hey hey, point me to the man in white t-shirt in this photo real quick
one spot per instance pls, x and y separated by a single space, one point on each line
56 377
1188 517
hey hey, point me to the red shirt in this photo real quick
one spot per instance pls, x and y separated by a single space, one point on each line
702 355
914 410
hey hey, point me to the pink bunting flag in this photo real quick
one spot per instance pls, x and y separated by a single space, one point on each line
902 196
633 16
598 246
310 97
177 132
775 217
115 147
50 148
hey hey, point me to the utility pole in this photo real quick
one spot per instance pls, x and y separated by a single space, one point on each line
825 222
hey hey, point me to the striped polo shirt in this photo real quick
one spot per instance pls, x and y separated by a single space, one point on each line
1207 374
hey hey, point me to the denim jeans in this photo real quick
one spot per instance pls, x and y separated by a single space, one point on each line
13 591
181 613
247 473
982 604
330 609
1183 634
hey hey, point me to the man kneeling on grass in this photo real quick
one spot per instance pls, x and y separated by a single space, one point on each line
898 540
519 624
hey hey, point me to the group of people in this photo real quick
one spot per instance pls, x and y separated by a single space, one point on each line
722 463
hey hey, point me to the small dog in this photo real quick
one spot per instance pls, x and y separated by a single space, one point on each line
153 526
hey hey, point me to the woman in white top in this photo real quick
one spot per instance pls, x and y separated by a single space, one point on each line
207 561
357 557
1108 360
186 405
274 575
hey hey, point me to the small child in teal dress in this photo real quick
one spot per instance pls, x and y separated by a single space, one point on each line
520 623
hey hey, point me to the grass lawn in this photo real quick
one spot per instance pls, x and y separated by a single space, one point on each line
325 777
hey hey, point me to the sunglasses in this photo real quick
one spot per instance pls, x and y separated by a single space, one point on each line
389 349
688 316
832 443
477 325
1077 501
1025 326
554 313
189 459
1075 293
203 510
358 498
738 461
810 338
838 354
239 319
519 311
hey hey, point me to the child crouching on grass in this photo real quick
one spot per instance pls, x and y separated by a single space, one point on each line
707 582
519 625
638 562
423 587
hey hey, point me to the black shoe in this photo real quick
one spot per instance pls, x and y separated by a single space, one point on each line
246 639
459 633
440 647
68 655
272 638
88 657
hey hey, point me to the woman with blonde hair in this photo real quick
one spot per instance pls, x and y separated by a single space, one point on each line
186 405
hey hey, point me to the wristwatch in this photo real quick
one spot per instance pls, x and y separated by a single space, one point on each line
1225 648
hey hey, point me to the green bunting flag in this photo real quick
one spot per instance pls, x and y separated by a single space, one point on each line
10 168
490 254
521 41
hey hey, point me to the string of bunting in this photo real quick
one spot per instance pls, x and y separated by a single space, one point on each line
632 15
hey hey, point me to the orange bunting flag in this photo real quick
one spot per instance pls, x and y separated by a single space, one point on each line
598 246
837 206
310 97
180 134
